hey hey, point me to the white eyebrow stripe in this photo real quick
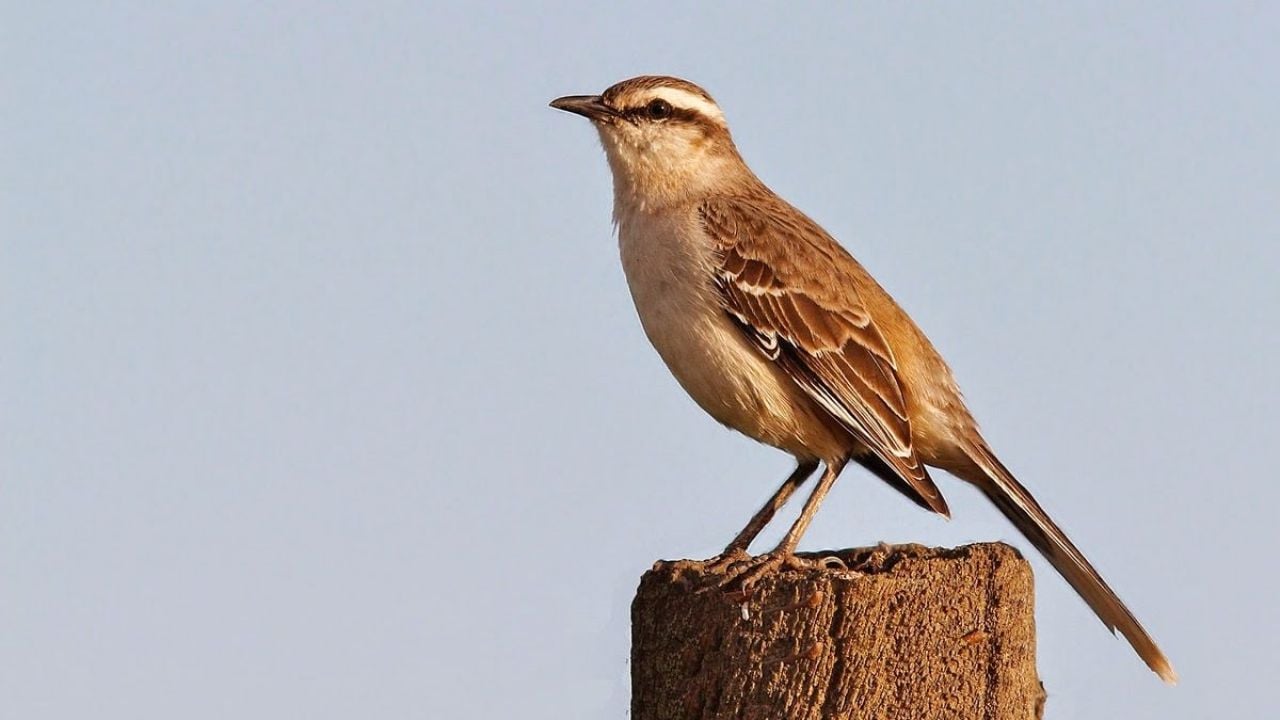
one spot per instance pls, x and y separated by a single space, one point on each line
685 99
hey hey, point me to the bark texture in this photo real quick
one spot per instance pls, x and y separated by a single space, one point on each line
894 632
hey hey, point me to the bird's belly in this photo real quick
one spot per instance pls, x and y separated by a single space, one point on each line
728 379
715 364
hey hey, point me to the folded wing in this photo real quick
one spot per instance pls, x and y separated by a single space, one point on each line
781 280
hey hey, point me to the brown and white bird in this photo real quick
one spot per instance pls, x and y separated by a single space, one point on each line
777 332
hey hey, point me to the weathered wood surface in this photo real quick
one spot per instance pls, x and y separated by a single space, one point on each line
899 632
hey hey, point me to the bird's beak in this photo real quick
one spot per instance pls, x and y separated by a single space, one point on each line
591 107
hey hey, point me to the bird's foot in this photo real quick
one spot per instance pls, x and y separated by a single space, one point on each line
740 577
730 557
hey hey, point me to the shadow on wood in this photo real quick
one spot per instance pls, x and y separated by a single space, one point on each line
890 632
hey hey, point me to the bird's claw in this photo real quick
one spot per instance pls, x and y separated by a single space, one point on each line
727 559
741 576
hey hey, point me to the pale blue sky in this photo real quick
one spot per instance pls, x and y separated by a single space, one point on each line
321 394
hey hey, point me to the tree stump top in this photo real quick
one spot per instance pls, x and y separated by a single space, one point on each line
888 632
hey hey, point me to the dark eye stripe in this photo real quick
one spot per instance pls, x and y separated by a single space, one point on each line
678 114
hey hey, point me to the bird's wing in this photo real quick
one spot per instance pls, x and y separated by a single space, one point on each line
791 289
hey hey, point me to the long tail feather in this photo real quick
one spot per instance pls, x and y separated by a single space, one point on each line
999 485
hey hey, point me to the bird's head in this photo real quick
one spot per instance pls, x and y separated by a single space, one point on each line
666 139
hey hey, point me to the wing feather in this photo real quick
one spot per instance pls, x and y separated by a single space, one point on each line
781 279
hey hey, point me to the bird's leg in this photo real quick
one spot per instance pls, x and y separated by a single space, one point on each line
736 551
792 539
784 553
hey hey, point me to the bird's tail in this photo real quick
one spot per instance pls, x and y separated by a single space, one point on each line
999 485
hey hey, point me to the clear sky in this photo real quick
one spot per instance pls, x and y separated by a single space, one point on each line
321 393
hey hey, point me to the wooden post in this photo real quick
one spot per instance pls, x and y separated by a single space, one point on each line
894 632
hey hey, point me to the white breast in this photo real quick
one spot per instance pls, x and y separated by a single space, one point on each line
668 261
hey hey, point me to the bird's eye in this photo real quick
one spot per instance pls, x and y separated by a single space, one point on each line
659 109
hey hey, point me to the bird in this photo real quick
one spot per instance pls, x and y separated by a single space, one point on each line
776 331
